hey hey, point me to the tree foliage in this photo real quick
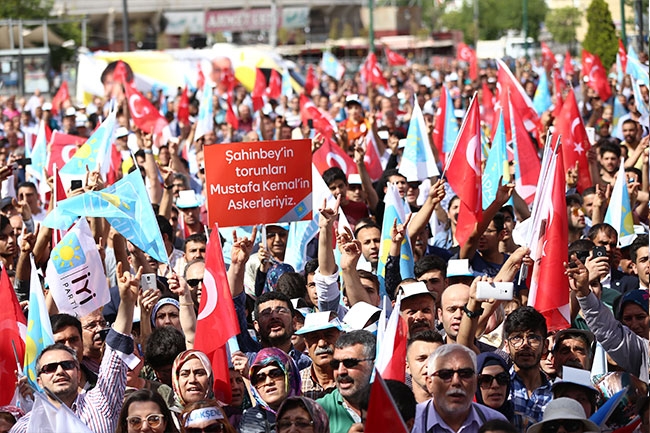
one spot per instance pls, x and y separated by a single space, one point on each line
25 9
496 17
601 36
562 24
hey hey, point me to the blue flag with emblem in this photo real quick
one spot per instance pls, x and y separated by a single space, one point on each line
38 154
331 65
287 89
126 207
619 111
39 329
205 120
95 152
451 126
637 70
418 162
542 99
497 166
638 99
619 211
394 209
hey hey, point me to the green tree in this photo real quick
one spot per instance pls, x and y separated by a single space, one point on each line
601 36
562 24
25 9
496 17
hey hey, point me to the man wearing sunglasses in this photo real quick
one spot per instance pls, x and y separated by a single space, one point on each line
58 369
452 382
353 361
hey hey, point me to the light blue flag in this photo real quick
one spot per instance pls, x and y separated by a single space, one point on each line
496 166
620 73
126 207
637 70
300 234
38 154
205 120
602 415
331 65
418 162
39 329
287 88
638 98
95 153
394 209
619 111
619 211
451 126
542 100
631 53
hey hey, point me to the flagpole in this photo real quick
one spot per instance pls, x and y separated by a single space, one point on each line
462 127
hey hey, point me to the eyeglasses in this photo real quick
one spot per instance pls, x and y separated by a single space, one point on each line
260 378
154 420
448 374
94 325
212 428
52 367
570 425
285 424
347 363
485 380
194 282
533 340
266 313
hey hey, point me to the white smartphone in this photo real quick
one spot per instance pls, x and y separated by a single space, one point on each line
591 134
502 291
148 282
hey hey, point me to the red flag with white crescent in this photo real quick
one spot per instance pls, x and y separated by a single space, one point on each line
274 90
593 69
568 65
330 155
558 87
310 81
383 415
622 54
13 327
62 95
548 58
184 108
466 54
394 59
258 90
144 114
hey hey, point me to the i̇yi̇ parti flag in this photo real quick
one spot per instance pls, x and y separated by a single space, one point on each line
641 106
542 98
75 273
619 210
418 162
39 329
463 172
496 166
39 154
287 89
332 66
205 120
13 327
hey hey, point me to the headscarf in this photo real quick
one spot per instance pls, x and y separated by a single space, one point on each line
486 359
274 273
162 302
273 355
180 360
316 412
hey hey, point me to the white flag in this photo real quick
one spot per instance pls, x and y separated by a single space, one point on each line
46 418
75 273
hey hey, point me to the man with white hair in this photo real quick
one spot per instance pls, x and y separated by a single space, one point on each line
452 382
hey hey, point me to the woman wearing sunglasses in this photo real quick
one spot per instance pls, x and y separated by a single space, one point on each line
494 383
302 415
274 377
145 411
205 416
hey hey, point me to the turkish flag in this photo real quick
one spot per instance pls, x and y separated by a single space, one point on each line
622 54
383 415
62 95
310 81
372 159
13 327
275 85
200 81
61 148
466 54
487 101
548 58
144 114
575 143
558 85
438 134
330 155
393 58
116 166
184 108
217 321
568 65
258 90
322 120
372 73
231 117
464 173
597 75
59 194
527 158
520 100
550 288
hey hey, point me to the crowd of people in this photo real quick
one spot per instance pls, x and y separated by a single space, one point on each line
308 340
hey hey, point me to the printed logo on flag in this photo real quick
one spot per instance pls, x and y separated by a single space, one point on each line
68 254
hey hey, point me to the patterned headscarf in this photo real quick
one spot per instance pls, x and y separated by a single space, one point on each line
274 273
316 412
273 355
162 302
180 360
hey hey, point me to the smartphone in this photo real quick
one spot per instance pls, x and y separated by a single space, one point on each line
591 134
310 123
148 282
502 291
599 252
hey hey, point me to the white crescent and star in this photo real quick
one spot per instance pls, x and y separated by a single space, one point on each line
210 293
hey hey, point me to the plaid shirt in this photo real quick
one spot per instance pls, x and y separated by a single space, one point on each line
528 410
310 386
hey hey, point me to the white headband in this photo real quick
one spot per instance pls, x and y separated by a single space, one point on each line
203 414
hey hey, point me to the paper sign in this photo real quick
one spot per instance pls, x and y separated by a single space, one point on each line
258 182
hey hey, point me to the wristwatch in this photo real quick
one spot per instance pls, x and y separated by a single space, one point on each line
473 314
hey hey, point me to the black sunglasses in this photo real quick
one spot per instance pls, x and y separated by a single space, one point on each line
276 373
194 282
213 428
52 367
570 425
485 380
347 363
448 374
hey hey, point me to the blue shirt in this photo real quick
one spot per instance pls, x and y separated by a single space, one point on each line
528 410
427 419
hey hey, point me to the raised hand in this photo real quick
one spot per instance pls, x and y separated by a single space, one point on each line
129 286
329 216
243 247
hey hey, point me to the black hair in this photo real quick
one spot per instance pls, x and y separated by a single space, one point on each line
508 209
369 276
428 336
430 263
165 227
27 184
62 320
403 398
525 318
272 296
499 221
369 225
197 237
588 191
163 346
608 147
497 425
146 395
573 200
635 171
364 338
292 284
332 174
601 227
311 266
639 242
4 222
580 246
